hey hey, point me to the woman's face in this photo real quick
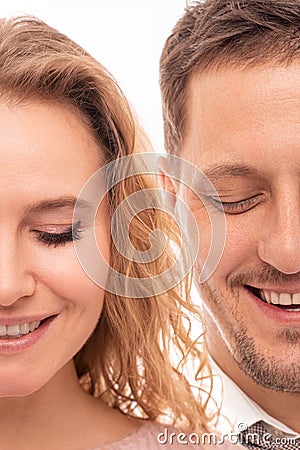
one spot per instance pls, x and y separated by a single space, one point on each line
46 154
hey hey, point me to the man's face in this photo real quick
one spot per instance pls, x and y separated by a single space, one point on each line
243 131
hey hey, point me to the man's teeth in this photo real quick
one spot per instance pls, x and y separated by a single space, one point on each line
18 330
280 298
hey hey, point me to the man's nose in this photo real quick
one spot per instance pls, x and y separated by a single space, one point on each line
280 245
16 279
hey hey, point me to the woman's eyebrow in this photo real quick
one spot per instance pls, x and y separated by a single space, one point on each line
51 204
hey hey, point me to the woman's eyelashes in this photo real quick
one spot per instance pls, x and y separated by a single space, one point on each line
72 233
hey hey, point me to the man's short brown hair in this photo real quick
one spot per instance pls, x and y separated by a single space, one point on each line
214 34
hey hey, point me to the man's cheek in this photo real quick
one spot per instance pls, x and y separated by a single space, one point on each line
240 251
205 235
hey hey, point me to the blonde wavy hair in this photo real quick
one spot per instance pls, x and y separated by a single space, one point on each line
127 360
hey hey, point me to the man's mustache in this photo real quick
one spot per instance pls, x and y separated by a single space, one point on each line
264 274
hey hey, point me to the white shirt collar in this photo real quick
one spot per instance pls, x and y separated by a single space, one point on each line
238 408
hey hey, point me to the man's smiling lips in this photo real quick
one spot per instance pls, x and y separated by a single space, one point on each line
280 303
284 296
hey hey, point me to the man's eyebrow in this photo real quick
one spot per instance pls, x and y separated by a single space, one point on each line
218 171
51 204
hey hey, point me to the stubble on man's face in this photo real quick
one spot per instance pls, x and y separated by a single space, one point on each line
243 128
264 369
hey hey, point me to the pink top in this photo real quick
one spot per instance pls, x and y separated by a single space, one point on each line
153 436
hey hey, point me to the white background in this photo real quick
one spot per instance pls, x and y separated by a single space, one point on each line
126 36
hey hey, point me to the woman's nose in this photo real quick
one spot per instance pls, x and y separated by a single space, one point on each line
16 279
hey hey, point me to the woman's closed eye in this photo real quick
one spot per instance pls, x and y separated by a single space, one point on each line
238 206
70 234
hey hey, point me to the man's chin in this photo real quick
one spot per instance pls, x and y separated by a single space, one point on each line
265 350
278 372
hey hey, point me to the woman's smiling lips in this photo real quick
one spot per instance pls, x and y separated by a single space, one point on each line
14 344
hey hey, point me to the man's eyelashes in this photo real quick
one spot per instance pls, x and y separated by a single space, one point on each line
237 207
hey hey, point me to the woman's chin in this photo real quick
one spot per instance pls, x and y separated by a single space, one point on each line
18 390
20 386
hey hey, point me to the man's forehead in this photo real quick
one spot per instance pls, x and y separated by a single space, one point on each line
242 115
273 82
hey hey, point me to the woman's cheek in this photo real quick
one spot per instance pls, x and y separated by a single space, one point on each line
59 271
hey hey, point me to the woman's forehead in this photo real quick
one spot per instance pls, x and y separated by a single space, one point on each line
45 150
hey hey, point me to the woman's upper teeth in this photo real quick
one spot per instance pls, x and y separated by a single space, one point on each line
280 298
17 330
